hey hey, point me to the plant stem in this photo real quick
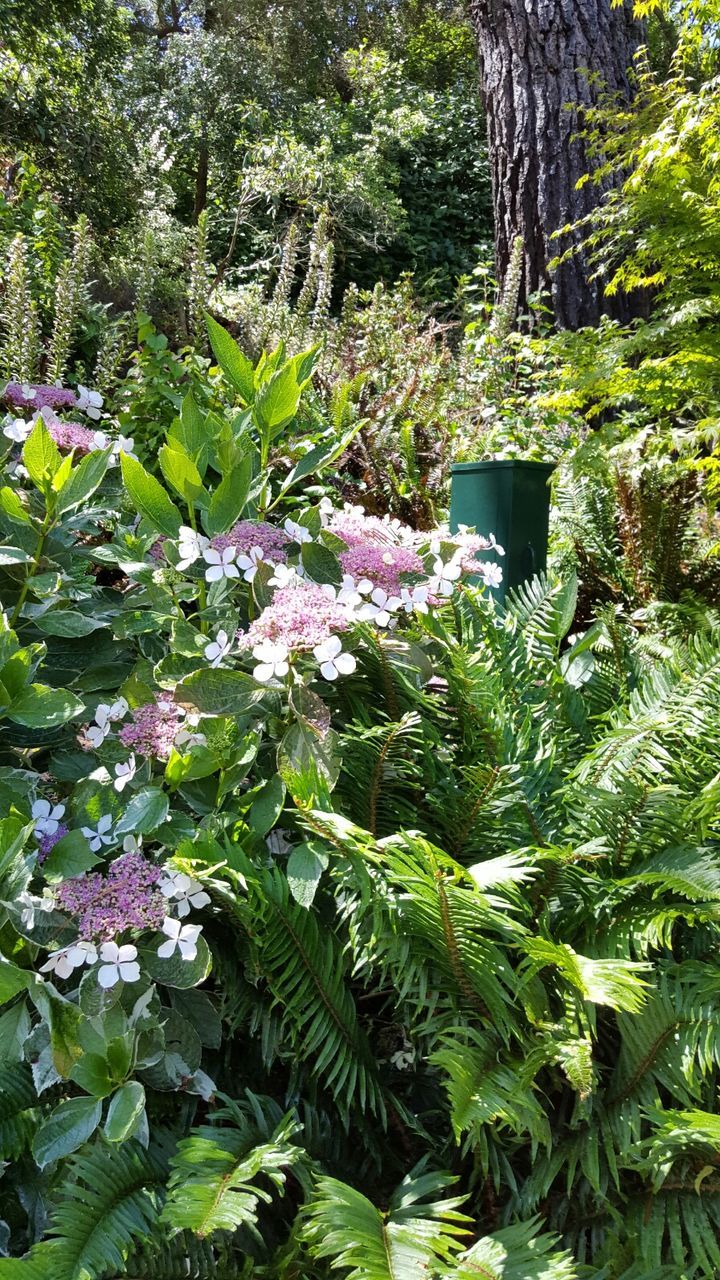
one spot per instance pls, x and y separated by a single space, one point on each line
32 572
202 594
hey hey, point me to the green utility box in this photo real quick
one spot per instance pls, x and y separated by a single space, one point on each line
512 501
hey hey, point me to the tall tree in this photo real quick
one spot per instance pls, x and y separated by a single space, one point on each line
542 63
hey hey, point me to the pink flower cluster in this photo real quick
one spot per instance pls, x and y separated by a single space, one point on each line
153 729
127 897
300 617
36 396
469 544
247 534
70 435
382 564
356 528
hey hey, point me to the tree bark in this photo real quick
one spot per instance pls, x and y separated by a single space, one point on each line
542 62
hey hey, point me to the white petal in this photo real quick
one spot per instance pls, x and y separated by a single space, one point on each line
329 671
166 949
108 975
214 574
345 663
130 972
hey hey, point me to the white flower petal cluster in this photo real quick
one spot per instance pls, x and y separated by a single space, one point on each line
379 608
218 648
191 546
180 937
17 430
333 662
106 715
221 564
119 964
298 532
124 773
63 962
89 402
102 835
272 661
183 893
46 817
249 563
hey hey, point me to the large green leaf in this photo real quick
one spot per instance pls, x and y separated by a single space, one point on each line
277 401
41 455
149 498
40 707
229 499
83 480
236 366
219 693
66 1129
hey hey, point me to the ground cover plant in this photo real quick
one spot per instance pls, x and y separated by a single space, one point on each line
305 849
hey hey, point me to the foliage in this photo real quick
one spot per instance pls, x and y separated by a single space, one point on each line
427 907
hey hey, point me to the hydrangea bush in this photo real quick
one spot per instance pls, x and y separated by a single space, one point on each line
171 659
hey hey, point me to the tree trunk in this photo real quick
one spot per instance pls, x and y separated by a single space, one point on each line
542 61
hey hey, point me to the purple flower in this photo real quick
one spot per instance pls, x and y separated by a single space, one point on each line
128 897
382 565
300 617
70 435
46 843
36 396
254 533
154 729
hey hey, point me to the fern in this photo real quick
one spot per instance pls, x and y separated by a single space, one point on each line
416 1236
214 1180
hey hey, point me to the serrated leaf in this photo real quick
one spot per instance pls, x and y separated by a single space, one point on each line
228 501
321 564
40 707
146 811
236 366
149 498
219 693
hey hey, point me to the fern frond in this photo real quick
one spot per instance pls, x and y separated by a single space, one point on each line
417 1236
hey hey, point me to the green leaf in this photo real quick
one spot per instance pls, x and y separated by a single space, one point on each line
277 401
219 693
321 456
92 1073
65 622
236 366
304 869
321 564
66 1129
267 805
146 811
149 498
85 478
12 505
215 1185
14 555
41 455
13 980
174 971
40 707
180 472
125 1111
228 501
69 857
